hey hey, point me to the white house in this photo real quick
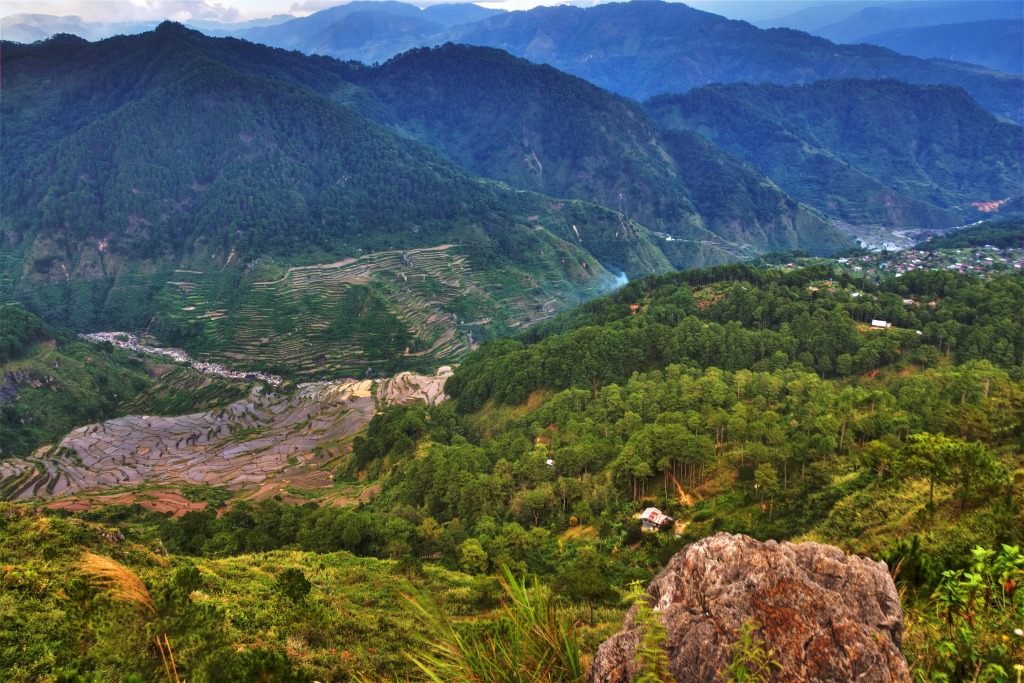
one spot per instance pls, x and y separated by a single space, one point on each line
653 519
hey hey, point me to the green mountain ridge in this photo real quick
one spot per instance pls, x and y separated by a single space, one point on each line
862 151
536 128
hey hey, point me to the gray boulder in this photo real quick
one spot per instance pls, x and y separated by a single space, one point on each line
827 615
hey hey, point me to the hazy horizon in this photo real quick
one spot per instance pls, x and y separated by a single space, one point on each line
234 11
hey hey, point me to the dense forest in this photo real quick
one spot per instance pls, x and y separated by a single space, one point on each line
736 399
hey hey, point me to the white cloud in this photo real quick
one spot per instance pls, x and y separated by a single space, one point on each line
139 10
310 6
513 5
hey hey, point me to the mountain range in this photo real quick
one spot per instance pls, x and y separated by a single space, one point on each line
645 49
636 49
186 185
983 32
859 26
996 43
539 129
366 30
189 185
158 177
651 48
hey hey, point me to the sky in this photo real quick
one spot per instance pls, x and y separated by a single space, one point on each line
229 11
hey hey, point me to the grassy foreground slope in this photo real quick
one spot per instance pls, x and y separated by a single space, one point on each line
231 619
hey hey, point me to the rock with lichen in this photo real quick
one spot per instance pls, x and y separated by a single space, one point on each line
826 616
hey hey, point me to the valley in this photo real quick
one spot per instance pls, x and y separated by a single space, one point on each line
624 343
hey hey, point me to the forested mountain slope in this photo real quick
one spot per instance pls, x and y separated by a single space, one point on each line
1003 233
153 180
862 151
537 128
734 400
747 327
183 184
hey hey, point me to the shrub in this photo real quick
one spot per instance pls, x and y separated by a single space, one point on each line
293 584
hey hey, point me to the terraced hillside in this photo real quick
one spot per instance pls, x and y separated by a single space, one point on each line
266 443
391 309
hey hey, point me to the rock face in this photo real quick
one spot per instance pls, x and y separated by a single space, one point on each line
827 615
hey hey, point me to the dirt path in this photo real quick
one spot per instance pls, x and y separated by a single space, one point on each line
348 262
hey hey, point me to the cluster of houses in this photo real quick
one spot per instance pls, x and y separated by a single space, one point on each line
972 260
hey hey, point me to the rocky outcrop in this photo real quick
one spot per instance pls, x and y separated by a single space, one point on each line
827 615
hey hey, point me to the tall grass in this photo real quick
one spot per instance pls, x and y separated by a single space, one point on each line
534 641
123 585
120 582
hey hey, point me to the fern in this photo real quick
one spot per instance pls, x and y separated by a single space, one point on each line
651 659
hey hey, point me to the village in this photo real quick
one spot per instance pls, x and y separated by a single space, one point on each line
976 260
875 266
131 342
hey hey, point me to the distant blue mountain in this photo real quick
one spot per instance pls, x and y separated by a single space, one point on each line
28 28
367 31
889 16
997 43
642 49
